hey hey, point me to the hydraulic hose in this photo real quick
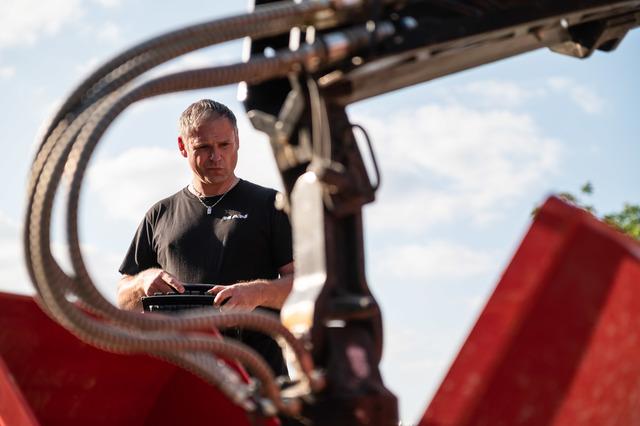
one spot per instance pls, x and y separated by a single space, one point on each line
65 150
88 139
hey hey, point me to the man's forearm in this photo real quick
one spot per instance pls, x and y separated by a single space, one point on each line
129 293
275 292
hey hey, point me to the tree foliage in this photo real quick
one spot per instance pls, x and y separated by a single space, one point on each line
627 220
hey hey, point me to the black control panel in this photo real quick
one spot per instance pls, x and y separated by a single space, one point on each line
195 296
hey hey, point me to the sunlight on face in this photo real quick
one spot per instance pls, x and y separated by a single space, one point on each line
212 152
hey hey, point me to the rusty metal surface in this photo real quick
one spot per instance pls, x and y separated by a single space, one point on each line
558 341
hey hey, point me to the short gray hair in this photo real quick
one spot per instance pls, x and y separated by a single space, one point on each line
201 111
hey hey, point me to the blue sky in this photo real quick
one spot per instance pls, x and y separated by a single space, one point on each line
464 160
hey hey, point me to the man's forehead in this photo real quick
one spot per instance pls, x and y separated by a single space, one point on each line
217 125
213 117
213 131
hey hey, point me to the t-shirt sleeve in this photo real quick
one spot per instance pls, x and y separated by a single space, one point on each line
282 247
141 254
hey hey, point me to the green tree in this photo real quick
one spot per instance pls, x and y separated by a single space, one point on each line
627 220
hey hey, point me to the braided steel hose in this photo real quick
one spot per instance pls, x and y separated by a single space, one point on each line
66 149
253 72
53 294
74 131
86 143
65 152
228 382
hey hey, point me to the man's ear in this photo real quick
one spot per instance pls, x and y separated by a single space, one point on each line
182 147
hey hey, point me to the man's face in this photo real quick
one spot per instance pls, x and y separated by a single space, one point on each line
212 151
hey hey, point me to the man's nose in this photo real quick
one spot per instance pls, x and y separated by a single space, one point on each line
215 155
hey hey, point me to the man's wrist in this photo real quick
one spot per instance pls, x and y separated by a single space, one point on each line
263 292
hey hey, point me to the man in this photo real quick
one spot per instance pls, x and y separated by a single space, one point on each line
218 230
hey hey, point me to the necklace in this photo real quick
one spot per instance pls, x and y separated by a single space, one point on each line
201 197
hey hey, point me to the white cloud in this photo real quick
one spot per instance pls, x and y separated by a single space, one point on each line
589 101
225 54
83 69
25 21
499 93
435 260
14 277
6 72
101 264
478 160
255 159
476 302
128 184
103 268
559 83
108 3
109 31
410 351
8 228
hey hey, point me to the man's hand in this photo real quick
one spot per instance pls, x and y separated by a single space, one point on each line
156 280
247 296
241 297
146 283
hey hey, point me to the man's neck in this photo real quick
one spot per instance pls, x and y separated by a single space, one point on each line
210 190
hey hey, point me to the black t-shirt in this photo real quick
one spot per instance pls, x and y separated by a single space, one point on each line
244 238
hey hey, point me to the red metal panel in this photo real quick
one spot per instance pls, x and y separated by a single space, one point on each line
67 382
14 409
557 343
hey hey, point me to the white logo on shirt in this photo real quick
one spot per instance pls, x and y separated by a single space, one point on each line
235 216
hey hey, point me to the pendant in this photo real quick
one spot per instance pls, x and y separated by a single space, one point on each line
208 210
